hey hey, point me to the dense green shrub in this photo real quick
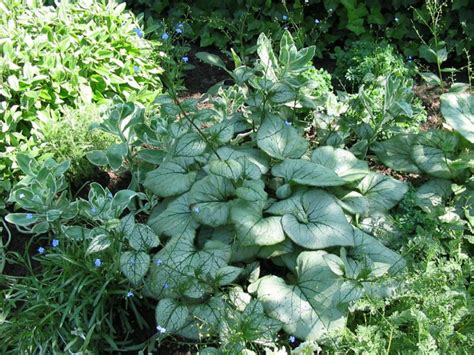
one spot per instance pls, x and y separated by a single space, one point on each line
77 52
365 61
236 24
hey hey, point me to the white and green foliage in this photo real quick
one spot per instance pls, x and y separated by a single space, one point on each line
440 153
235 196
96 222
228 203
458 111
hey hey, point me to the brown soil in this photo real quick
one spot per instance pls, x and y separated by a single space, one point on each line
429 95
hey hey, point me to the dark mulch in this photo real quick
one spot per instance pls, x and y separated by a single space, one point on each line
203 76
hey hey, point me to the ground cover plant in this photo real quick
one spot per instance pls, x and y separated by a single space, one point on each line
66 56
271 214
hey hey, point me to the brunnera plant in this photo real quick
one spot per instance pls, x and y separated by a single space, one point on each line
250 230
241 195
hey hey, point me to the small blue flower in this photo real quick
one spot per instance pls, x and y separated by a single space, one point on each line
292 339
185 59
166 285
97 262
158 262
165 36
55 243
29 216
130 294
41 250
284 17
21 196
161 329
93 210
288 123
179 28
139 32
317 21
196 209
136 68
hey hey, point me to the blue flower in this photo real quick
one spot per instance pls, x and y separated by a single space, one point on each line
161 329
93 210
196 209
97 262
41 250
316 21
292 339
185 59
136 69
288 123
166 285
21 196
158 262
139 32
165 36
130 294
284 17
29 216
55 243
179 28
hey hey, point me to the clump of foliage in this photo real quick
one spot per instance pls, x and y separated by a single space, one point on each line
365 61
236 24
63 56
67 135
249 230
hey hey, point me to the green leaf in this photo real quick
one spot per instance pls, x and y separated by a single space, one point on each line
254 156
171 178
189 145
383 260
318 222
209 198
434 151
279 140
97 157
227 274
458 111
433 194
171 315
305 172
252 190
211 59
21 219
182 269
252 228
98 243
143 238
396 153
115 155
342 162
315 305
383 192
134 265
229 169
175 220
12 81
